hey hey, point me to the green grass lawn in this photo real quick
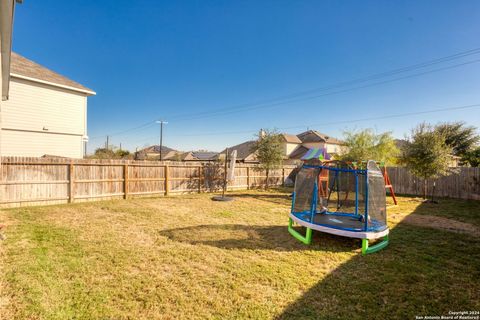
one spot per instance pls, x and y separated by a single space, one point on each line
187 257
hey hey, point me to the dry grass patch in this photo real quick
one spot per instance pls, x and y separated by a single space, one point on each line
440 223
189 257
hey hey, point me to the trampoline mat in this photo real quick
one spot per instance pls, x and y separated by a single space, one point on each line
343 222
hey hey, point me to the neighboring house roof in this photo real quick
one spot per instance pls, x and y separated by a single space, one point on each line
290 138
244 150
24 68
167 153
315 136
298 153
156 149
203 155
198 156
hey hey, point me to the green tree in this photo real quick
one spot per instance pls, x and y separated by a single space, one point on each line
103 153
472 157
111 152
367 145
269 151
426 155
458 136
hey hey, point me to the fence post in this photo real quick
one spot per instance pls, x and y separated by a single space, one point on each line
248 178
199 179
71 182
125 181
283 176
166 180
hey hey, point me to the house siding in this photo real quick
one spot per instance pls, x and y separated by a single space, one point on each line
34 144
289 148
334 148
330 147
40 119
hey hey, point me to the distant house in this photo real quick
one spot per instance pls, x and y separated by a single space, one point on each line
199 156
169 154
293 146
153 152
315 139
46 113
245 152
290 143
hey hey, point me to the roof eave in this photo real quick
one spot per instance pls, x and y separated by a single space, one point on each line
7 9
86 91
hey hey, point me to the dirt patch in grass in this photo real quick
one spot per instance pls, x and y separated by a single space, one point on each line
441 223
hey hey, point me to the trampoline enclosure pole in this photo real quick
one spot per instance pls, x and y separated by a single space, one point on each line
356 193
366 200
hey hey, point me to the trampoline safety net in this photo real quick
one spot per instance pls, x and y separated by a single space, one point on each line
341 191
304 189
377 207
337 195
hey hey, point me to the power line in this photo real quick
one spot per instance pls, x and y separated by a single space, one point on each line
326 123
343 121
346 83
253 107
286 99
145 125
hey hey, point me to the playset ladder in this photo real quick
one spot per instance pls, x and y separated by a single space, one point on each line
388 184
323 188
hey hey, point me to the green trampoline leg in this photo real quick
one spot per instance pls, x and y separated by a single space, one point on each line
307 239
379 246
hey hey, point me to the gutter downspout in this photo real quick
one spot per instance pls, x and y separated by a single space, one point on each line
7 8
6 27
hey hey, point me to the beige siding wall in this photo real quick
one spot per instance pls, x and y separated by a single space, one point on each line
15 143
334 148
289 147
35 109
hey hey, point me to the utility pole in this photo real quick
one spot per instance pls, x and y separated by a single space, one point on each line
161 137
106 143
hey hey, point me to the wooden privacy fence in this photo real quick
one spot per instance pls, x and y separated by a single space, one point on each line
463 184
38 181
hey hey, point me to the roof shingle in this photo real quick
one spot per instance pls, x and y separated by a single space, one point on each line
291 138
24 67
315 136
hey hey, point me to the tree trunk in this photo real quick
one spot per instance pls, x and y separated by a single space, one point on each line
266 182
425 189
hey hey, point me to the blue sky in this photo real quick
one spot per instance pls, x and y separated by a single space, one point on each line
170 59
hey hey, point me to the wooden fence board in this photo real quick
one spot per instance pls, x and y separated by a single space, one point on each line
39 181
463 183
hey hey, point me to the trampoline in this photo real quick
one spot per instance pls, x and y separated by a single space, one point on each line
336 198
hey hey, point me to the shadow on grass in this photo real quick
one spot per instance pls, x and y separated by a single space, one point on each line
236 236
422 272
273 197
